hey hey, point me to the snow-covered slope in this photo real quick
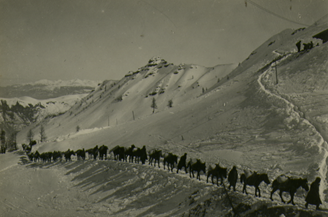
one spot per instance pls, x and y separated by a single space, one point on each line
131 97
246 118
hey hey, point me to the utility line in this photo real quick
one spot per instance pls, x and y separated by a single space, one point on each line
274 14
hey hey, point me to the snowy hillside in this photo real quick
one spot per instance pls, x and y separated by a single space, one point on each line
268 115
131 97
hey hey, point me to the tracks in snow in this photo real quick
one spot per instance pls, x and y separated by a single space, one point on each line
291 107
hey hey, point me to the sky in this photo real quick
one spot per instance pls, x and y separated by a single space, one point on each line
105 39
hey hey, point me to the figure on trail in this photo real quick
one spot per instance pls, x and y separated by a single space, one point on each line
313 197
233 177
298 45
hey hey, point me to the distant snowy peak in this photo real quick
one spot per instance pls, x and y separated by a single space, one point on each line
44 89
61 83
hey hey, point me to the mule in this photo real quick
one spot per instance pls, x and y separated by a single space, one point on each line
46 157
254 180
68 155
57 155
140 155
182 163
170 159
103 152
198 166
290 185
93 152
80 154
218 172
155 155
129 152
119 153
36 156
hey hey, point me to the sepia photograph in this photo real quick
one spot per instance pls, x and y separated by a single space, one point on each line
163 108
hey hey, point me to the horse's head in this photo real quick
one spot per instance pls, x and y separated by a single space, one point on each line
304 184
265 178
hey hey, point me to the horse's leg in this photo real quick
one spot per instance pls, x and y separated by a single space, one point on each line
280 193
259 191
244 188
272 192
291 198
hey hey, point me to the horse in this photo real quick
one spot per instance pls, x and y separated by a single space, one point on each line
290 185
170 159
36 156
182 163
129 152
198 166
119 153
80 154
218 172
103 152
155 155
56 155
68 155
46 156
140 155
233 177
93 152
254 180
30 156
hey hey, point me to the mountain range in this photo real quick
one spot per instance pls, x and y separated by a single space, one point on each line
267 114
45 89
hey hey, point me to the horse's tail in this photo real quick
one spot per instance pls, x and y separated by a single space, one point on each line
242 178
209 170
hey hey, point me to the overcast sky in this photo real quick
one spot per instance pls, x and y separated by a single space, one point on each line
105 39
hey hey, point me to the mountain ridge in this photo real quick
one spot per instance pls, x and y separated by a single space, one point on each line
236 121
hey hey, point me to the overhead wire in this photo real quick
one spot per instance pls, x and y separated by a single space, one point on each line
274 14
